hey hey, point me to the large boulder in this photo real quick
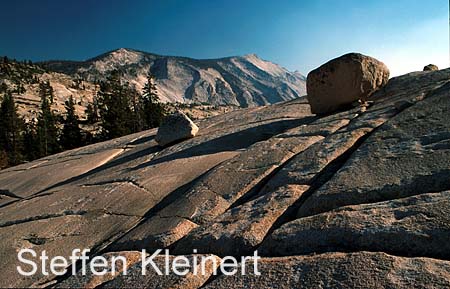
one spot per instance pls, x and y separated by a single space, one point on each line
430 67
343 81
175 127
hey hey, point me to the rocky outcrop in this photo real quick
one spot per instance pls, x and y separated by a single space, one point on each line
241 229
354 199
409 155
430 67
136 279
175 127
344 80
342 270
414 226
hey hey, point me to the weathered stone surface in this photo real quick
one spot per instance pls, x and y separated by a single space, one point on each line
4 200
106 198
62 220
408 155
414 226
342 270
305 166
201 204
245 175
240 230
159 178
155 232
237 130
58 235
414 85
112 198
67 167
344 80
135 279
227 235
89 280
175 127
26 181
430 67
152 280
244 172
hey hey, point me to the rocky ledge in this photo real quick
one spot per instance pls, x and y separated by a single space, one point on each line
354 199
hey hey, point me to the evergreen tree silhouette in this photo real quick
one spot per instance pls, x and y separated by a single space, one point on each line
114 107
71 136
11 126
47 130
153 110
31 149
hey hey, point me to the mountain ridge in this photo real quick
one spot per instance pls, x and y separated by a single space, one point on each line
245 80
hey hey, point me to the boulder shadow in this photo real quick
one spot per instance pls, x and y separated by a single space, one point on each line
232 142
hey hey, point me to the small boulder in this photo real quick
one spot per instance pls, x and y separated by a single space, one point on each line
175 127
430 67
344 80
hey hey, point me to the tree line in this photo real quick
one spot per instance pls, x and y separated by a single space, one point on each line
118 109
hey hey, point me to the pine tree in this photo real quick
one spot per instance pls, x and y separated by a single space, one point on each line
46 90
137 106
3 159
114 108
71 133
11 126
47 131
3 87
30 142
92 111
20 89
154 110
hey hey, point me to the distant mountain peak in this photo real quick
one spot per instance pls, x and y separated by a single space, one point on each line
251 55
241 80
125 56
123 49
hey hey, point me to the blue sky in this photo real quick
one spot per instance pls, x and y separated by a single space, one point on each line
300 35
